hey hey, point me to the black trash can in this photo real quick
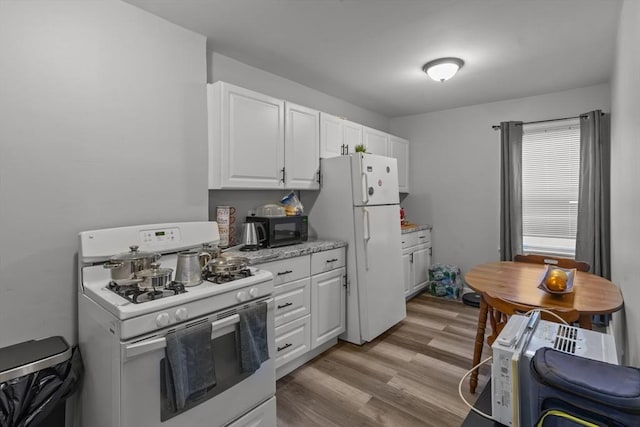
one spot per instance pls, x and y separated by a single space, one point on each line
36 379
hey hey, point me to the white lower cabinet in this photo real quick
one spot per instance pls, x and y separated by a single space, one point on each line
328 310
416 260
292 340
310 298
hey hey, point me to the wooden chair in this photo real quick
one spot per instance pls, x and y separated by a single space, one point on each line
551 260
500 309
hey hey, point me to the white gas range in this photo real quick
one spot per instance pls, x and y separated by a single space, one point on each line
123 338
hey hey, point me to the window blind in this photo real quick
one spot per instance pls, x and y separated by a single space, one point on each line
550 179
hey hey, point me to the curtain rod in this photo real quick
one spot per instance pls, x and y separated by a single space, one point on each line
496 127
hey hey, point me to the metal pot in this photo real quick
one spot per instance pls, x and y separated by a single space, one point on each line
154 277
126 265
188 270
207 253
227 265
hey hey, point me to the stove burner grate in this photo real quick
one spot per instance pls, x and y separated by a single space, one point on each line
220 278
134 294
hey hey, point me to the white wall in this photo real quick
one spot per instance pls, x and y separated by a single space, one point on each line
102 124
455 168
229 70
625 176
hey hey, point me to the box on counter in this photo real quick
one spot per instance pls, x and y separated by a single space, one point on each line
444 281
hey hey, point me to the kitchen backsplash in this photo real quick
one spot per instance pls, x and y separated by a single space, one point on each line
243 201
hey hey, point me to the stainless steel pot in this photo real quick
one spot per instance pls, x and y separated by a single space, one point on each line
188 270
126 265
207 253
227 265
154 277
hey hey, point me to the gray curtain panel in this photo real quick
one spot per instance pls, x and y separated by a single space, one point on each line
510 190
593 231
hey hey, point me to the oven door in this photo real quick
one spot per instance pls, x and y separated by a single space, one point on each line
143 396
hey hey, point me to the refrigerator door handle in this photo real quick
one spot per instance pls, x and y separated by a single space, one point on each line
367 235
365 188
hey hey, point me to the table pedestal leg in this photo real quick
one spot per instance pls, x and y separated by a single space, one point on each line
477 348
585 321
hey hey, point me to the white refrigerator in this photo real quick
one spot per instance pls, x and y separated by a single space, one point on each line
359 202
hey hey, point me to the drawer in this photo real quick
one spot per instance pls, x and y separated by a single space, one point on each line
409 239
288 270
424 236
293 339
327 260
415 238
292 300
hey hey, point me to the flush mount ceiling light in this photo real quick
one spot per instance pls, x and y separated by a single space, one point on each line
442 69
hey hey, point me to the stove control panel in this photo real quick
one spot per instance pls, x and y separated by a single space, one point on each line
160 235
242 296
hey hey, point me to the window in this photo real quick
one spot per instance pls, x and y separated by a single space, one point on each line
550 179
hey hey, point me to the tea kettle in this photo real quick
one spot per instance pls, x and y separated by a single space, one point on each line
250 236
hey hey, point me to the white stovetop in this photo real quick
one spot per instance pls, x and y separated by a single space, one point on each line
95 278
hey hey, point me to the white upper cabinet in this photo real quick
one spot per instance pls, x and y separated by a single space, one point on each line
257 141
246 138
375 141
399 149
338 136
302 147
352 136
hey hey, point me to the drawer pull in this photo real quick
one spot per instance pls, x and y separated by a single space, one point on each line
282 273
287 345
422 237
285 305
332 260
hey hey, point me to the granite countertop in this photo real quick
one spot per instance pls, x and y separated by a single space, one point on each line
410 228
267 255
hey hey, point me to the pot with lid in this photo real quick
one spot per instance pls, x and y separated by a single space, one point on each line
126 265
154 277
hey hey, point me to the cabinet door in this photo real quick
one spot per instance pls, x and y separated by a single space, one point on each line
328 306
352 136
407 272
374 141
399 149
421 263
331 136
302 147
246 138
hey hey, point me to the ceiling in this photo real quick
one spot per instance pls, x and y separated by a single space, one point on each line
371 52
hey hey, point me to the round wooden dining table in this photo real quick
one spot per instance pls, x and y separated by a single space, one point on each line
518 282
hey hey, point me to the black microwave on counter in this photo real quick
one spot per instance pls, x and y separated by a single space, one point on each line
282 230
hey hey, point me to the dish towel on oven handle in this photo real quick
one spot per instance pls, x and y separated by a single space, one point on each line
254 347
190 358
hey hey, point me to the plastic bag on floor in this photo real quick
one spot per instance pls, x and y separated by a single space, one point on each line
27 401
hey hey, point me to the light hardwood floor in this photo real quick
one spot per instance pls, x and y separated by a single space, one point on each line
406 377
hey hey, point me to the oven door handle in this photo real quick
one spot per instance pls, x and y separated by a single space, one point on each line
142 347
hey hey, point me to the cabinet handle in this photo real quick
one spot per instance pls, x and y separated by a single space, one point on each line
287 345
285 305
411 258
422 237
430 251
283 174
282 273
332 260
318 176
346 151
342 149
